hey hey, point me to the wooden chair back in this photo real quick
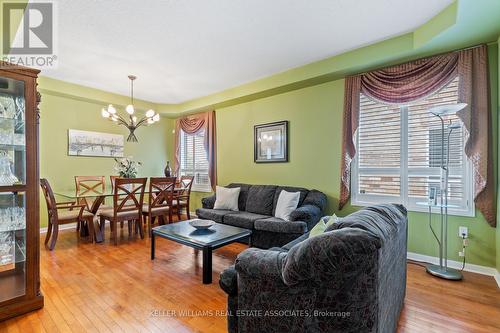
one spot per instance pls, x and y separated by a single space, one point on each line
161 191
125 194
89 185
186 183
49 197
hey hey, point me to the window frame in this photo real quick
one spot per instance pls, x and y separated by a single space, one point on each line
184 171
360 199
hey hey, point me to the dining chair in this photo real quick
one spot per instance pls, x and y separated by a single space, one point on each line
182 195
86 185
74 213
126 206
89 185
161 196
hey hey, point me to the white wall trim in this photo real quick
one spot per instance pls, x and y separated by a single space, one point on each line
497 278
490 271
61 227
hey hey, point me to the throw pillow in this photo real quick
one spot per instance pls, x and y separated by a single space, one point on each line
226 198
322 225
287 203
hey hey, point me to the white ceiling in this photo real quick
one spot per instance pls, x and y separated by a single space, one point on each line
183 49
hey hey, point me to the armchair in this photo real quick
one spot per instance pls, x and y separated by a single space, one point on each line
349 279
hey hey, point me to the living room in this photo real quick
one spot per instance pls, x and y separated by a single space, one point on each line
289 130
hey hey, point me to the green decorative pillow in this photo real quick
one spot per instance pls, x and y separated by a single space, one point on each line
321 226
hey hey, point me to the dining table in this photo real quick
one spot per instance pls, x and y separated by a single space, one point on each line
97 198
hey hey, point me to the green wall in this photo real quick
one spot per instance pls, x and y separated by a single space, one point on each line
315 116
60 112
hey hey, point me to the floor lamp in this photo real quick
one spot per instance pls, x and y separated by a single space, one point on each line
442 270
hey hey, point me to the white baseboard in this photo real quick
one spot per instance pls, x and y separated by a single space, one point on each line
61 227
490 271
497 278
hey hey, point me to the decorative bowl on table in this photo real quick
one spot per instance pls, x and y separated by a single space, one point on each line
201 224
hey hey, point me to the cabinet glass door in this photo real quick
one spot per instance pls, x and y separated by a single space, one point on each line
12 190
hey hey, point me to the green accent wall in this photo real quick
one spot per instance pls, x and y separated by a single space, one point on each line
79 108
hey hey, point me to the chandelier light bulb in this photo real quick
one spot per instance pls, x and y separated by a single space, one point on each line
130 109
130 120
111 109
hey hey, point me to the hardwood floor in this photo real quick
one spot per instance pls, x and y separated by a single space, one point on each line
103 288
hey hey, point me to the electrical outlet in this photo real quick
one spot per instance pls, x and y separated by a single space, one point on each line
463 232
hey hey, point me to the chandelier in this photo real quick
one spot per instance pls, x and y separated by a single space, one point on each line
133 122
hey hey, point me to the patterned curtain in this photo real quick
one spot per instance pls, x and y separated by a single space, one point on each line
191 125
417 80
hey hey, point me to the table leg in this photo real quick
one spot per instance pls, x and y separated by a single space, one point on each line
207 265
153 246
97 231
84 229
99 238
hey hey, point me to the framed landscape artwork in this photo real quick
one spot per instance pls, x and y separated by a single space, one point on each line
271 142
86 143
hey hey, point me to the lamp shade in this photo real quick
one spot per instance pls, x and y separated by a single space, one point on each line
447 109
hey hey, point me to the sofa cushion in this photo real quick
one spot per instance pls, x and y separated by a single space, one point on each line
242 219
322 225
227 198
287 203
212 214
242 200
303 194
274 224
260 199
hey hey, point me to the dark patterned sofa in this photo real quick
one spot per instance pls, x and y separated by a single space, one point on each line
257 204
352 278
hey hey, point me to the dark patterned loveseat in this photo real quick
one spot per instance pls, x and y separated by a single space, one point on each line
257 204
352 278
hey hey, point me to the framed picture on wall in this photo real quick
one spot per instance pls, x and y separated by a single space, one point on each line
271 142
86 143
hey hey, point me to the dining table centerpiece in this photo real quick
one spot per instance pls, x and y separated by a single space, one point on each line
127 167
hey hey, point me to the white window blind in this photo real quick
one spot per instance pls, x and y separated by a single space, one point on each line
399 154
194 160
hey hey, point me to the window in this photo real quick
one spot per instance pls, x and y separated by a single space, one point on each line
194 160
399 154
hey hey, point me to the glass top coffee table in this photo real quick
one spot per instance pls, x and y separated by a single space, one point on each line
206 240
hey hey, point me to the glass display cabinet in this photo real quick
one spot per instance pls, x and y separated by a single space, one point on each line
19 192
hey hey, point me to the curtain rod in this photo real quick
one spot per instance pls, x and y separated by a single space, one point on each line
430 56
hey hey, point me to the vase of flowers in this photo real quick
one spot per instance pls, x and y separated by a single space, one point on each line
127 167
